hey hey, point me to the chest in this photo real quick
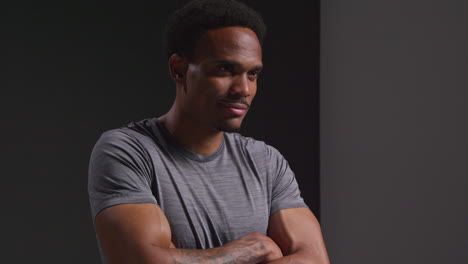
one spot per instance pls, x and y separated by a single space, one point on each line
208 205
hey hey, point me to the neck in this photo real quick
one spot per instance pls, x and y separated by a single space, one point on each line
195 136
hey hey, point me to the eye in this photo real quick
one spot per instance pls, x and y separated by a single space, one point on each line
225 68
253 73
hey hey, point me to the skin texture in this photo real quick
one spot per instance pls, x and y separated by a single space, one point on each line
222 75
224 68
140 233
297 232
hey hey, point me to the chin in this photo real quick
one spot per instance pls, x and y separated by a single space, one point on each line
228 126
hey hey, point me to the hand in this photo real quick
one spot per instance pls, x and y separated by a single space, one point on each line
273 252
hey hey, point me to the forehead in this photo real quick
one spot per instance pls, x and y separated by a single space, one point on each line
229 43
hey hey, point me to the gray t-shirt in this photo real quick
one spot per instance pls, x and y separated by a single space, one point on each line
208 200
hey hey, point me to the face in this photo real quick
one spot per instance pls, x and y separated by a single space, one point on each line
221 78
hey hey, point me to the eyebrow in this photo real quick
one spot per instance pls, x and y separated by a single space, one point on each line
234 63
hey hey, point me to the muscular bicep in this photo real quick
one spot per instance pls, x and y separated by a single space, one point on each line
128 233
297 230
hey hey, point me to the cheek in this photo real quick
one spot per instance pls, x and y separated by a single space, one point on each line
213 88
206 88
203 94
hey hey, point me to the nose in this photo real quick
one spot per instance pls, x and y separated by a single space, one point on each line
240 86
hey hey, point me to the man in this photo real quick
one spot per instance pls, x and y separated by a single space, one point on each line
183 187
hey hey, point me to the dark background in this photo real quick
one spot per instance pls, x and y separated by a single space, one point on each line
393 118
73 69
394 131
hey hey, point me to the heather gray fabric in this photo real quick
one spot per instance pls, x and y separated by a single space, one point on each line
209 200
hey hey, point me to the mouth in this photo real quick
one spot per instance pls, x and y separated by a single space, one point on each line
234 108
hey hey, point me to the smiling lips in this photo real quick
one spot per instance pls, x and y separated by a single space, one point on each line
237 109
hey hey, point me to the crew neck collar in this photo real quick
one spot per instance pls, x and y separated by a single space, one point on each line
184 150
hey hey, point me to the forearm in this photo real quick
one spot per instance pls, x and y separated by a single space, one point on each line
302 257
241 251
212 256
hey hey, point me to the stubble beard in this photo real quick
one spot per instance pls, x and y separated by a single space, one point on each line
227 127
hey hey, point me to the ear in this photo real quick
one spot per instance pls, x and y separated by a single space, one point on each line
178 66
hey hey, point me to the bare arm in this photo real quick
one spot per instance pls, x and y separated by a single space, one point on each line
140 233
297 232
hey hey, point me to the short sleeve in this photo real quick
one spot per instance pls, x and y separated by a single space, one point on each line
285 192
120 171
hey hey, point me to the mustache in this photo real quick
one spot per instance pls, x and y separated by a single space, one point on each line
241 100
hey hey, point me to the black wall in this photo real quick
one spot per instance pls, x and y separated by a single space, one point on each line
73 69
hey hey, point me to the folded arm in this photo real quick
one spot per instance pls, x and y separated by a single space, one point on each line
297 232
140 233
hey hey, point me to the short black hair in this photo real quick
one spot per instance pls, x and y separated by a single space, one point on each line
188 24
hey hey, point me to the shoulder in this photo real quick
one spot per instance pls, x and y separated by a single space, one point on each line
116 155
116 137
136 134
120 143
